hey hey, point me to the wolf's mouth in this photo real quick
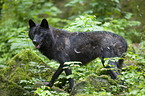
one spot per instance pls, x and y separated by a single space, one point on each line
37 46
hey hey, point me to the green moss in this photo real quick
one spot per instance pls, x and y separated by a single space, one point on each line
100 82
19 74
26 65
79 87
9 88
93 83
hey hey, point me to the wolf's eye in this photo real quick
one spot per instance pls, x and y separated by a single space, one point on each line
33 34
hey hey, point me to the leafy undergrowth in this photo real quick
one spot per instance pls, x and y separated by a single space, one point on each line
134 74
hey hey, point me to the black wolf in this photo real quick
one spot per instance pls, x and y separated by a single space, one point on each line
63 46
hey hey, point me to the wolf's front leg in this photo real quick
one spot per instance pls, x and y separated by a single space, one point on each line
55 76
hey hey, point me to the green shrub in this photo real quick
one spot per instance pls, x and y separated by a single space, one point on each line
17 13
100 8
122 27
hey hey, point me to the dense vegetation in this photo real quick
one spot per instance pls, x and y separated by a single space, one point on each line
119 16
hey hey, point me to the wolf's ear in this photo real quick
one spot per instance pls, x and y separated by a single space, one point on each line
31 23
44 24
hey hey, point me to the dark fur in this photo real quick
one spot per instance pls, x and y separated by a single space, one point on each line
64 46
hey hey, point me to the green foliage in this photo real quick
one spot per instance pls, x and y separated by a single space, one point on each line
12 45
16 12
43 92
100 8
134 81
21 42
84 23
122 27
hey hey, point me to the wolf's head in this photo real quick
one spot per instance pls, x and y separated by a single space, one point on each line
39 33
